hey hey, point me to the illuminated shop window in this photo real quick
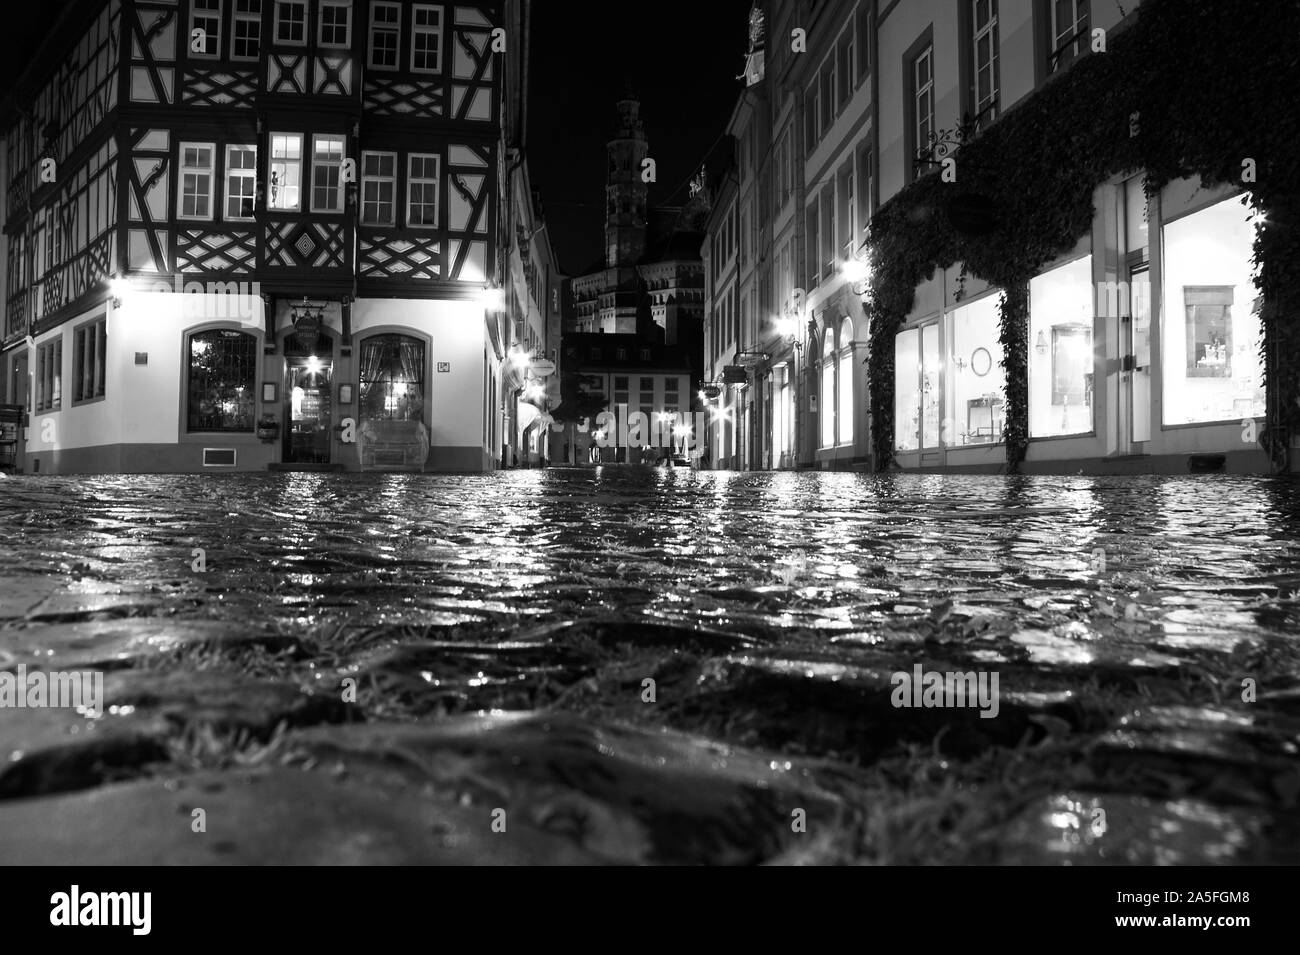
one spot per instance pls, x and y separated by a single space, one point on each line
1060 350
1210 329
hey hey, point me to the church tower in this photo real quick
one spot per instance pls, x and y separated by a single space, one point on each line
625 193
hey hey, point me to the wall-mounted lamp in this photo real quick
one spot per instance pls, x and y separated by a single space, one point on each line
492 299
1041 345
788 329
118 288
857 271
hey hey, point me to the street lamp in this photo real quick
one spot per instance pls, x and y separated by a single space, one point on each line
857 271
788 329
118 288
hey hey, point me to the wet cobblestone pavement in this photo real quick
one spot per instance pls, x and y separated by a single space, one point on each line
500 631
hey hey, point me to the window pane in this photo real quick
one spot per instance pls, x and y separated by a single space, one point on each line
1060 350
1210 328
826 403
392 379
978 379
222 378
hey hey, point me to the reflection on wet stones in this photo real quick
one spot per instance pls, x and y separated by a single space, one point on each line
501 631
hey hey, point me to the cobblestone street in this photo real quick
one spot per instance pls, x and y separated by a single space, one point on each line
664 666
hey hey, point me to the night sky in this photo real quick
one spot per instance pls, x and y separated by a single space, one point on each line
681 57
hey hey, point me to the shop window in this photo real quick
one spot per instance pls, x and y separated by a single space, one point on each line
978 380
391 379
827 404
845 403
221 381
907 390
1060 356
1210 330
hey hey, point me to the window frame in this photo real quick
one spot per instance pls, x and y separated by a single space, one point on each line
925 90
1055 33
828 404
826 77
864 184
843 394
846 75
412 180
394 29
183 170
346 7
862 43
187 363
49 378
81 335
323 165
245 16
379 178
912 152
418 30
974 33
278 21
211 38
812 115
272 160
243 173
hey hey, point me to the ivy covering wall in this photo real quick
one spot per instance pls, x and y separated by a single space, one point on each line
1212 85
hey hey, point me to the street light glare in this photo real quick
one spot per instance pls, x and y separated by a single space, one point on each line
855 270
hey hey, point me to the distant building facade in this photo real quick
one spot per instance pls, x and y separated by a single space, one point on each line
1143 347
635 325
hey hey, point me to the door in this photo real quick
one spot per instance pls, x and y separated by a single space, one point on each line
308 428
1140 381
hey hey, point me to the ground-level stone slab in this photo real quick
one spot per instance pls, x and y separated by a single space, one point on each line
628 794
266 817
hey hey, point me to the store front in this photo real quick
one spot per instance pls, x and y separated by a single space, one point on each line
1142 349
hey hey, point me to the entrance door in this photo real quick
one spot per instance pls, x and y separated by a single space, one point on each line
1140 401
309 412
1134 320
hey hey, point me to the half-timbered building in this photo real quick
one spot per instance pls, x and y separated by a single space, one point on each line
245 234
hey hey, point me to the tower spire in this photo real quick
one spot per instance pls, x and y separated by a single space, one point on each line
625 192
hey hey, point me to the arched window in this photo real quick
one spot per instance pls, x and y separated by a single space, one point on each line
222 378
845 414
392 378
826 406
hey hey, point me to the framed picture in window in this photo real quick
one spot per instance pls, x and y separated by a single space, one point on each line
268 392
1209 330
345 394
1071 360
